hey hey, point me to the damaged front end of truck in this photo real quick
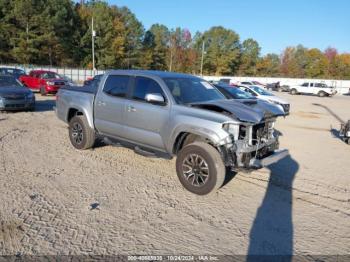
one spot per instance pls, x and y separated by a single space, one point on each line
252 141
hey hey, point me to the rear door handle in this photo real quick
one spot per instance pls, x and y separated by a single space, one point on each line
130 108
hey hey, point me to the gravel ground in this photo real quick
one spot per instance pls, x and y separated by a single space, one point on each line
109 200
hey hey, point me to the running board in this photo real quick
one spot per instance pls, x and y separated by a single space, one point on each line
107 141
142 152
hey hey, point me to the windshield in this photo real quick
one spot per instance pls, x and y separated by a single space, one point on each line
237 93
8 81
50 75
192 90
12 71
261 91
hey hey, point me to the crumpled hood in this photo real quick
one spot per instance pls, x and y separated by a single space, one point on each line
246 110
14 91
274 99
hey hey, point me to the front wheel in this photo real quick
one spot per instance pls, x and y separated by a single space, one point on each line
321 94
80 134
347 140
293 92
200 168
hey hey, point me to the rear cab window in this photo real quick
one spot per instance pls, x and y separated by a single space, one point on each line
117 85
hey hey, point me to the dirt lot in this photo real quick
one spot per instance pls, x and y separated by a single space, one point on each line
56 200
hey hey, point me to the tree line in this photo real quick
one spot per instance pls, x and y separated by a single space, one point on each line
58 33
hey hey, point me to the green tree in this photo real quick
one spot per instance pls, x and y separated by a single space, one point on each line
269 65
134 32
110 41
222 51
154 48
6 31
316 64
148 46
161 40
294 61
249 57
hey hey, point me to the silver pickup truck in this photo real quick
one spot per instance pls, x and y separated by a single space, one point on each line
169 114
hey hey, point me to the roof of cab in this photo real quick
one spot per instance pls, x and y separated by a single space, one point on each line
161 74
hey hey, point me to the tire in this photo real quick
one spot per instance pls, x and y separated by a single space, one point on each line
80 134
293 92
321 94
43 91
212 170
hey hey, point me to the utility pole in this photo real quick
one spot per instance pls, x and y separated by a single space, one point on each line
202 58
171 59
93 34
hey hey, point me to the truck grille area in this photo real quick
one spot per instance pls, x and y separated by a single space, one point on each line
14 97
261 132
59 83
14 106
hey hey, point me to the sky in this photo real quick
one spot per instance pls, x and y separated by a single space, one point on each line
275 24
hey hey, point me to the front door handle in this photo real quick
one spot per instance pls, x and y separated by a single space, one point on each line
101 103
130 108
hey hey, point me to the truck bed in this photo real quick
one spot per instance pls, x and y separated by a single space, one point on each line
91 89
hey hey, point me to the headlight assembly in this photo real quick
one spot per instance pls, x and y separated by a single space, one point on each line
50 83
30 96
232 129
274 102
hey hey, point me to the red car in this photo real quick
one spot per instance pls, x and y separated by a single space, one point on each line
46 82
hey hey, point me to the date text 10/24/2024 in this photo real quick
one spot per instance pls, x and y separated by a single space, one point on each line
172 258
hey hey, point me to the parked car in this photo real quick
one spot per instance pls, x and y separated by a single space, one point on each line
267 96
253 83
169 114
248 99
68 80
277 87
15 72
94 80
344 132
313 88
225 81
46 82
15 96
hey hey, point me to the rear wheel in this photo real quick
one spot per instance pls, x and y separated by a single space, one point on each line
200 168
80 134
293 91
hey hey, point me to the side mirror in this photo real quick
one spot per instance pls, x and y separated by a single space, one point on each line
157 99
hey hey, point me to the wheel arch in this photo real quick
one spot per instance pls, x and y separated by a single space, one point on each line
74 111
184 138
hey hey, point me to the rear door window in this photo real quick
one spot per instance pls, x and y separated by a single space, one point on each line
117 85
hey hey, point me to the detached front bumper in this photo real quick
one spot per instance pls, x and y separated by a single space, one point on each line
273 158
242 156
